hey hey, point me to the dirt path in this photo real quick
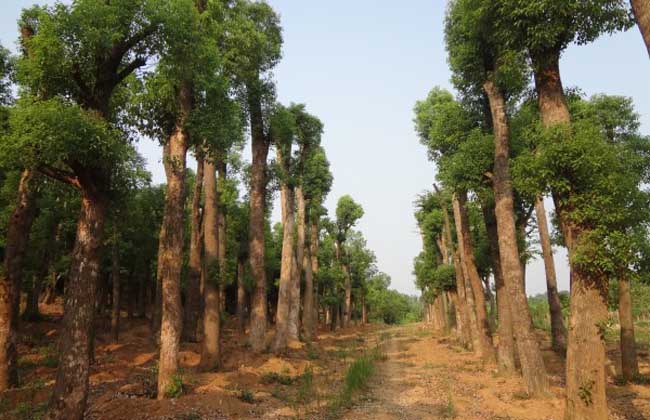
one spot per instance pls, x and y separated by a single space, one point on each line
430 378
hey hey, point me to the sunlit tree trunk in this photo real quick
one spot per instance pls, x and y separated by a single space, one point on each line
530 356
193 297
313 255
585 362
210 349
222 170
629 362
641 10
300 260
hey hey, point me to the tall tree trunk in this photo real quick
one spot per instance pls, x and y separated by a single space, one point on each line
68 399
467 297
466 248
222 170
306 262
585 363
629 362
193 297
300 260
558 331
170 258
641 10
347 286
506 347
115 279
286 269
532 362
313 255
210 350
260 150
241 296
16 243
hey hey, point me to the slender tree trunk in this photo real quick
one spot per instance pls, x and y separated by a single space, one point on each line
115 278
532 362
15 247
313 255
260 150
506 347
32 312
641 10
68 399
308 311
193 297
300 259
170 258
466 248
211 348
629 362
286 270
585 363
558 331
364 310
222 170
241 296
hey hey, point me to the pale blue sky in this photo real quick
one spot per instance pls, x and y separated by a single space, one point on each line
360 66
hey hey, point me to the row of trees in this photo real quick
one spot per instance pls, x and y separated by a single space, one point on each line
501 147
80 214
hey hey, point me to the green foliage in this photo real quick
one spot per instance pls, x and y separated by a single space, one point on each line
175 389
348 213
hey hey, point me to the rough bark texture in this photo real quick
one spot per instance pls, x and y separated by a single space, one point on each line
260 149
170 257
68 399
558 331
347 285
241 296
641 10
305 262
210 349
530 356
221 228
193 298
15 246
466 248
313 249
506 345
115 279
629 362
300 261
585 362
287 271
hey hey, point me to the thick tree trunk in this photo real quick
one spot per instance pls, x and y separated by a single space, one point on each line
15 247
170 257
193 298
585 363
558 331
68 399
32 312
532 362
241 296
115 279
308 298
222 169
211 348
313 255
629 362
300 261
467 297
260 150
286 270
641 10
506 346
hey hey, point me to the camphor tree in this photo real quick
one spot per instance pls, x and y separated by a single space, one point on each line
70 77
641 11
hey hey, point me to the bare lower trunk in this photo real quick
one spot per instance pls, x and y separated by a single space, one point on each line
15 246
466 248
558 331
506 346
641 10
629 362
210 349
364 310
241 296
193 297
260 149
170 257
115 279
585 363
313 255
530 356
221 229
286 271
308 310
300 261
68 399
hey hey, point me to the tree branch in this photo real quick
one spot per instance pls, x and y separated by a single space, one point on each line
60 175
130 68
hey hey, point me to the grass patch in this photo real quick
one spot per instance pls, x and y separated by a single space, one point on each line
175 389
277 378
246 396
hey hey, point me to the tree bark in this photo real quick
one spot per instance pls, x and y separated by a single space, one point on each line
306 262
558 331
70 392
585 363
193 296
300 261
530 356
260 150
16 243
115 279
241 296
211 348
286 270
506 346
313 255
170 258
222 170
629 362
641 10
466 248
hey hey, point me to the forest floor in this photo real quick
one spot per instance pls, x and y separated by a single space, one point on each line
418 374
